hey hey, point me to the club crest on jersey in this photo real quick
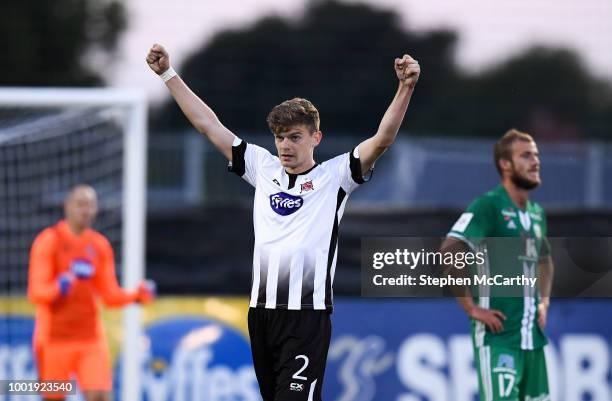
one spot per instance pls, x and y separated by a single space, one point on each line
285 204
535 216
90 251
307 186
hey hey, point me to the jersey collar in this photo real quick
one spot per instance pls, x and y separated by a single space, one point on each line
501 190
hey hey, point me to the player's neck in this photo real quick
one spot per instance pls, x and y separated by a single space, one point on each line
302 168
519 196
75 228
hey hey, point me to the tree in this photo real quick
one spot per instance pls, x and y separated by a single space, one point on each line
46 42
545 91
340 56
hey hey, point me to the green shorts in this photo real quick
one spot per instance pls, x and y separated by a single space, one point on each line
510 374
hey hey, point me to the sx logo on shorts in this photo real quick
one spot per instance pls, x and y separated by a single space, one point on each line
296 387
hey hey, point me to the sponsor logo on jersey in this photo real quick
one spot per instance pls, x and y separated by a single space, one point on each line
296 387
82 268
276 182
508 212
285 204
307 186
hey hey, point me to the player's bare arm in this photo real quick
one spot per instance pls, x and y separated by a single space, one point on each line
197 112
407 70
492 318
546 269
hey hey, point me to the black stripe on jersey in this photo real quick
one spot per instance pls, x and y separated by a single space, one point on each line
308 275
282 284
355 166
292 180
237 164
293 177
263 279
356 173
333 242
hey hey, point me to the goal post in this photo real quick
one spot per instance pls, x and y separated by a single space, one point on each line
133 122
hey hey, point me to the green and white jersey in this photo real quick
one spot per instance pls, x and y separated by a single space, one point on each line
513 241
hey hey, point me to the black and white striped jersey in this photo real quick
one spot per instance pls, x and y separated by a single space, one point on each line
295 218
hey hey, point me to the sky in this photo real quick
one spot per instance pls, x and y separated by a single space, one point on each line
490 31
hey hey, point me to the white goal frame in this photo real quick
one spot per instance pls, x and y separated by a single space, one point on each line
134 197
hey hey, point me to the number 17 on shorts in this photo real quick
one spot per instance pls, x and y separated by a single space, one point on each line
508 374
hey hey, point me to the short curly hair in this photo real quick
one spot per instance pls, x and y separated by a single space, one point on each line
296 111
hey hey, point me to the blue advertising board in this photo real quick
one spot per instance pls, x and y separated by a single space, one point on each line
417 350
399 350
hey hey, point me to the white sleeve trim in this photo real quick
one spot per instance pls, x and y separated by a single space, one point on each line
462 239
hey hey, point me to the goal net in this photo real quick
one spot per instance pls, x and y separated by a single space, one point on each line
51 140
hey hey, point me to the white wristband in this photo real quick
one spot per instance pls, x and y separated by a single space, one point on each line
168 74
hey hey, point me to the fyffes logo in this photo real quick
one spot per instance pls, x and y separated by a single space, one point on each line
285 204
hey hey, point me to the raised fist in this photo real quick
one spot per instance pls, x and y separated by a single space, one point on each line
158 59
407 70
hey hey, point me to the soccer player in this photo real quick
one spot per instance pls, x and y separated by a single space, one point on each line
507 331
71 266
297 208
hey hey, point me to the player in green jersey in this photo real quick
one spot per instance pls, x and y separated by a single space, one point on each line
507 330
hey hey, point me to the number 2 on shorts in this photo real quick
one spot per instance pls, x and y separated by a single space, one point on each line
296 375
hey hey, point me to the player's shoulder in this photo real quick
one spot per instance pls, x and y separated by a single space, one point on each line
253 147
98 239
339 166
47 237
536 207
261 155
486 201
335 160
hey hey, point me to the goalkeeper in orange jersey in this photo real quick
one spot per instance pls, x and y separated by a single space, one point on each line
71 267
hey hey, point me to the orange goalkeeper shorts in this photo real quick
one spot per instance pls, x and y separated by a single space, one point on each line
87 361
